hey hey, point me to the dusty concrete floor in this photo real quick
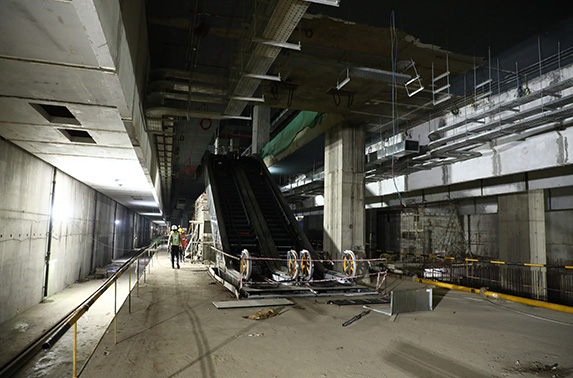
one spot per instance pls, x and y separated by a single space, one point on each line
175 331
18 332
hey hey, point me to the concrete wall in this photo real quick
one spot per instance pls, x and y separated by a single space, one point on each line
82 237
72 231
559 237
479 224
25 184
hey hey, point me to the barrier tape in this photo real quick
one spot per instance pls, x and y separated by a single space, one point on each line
378 281
286 260
321 260
478 260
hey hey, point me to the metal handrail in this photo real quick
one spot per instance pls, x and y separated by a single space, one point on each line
54 333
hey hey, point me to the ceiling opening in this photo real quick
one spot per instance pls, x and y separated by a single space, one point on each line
56 114
78 136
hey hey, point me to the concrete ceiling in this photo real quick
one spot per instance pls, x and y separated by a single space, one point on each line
56 52
61 100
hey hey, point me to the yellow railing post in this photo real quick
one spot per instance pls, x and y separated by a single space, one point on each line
138 277
75 346
115 314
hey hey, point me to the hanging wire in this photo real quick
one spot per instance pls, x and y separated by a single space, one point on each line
394 39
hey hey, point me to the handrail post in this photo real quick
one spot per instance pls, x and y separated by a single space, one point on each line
145 268
129 288
115 314
75 348
138 276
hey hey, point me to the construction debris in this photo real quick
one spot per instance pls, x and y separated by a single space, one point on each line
359 301
263 314
263 302
352 320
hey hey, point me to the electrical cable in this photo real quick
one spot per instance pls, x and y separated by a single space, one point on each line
394 43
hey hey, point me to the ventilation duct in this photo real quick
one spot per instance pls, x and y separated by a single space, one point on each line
397 146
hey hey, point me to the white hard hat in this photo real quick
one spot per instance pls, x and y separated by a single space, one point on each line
174 227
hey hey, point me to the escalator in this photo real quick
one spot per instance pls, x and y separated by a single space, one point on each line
235 224
250 213
284 229
240 233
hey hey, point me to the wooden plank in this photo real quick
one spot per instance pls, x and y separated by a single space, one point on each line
253 303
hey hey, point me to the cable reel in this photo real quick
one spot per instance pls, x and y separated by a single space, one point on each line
306 265
349 263
293 268
246 265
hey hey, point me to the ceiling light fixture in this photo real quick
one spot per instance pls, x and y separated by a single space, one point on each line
379 75
246 118
285 45
341 84
254 99
263 77
333 3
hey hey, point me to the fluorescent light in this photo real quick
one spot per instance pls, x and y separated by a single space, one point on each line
285 45
255 99
379 75
246 118
344 82
333 3
263 77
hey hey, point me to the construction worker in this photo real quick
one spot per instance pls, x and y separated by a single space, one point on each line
184 244
174 246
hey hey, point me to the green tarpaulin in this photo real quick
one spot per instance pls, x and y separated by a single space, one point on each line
288 134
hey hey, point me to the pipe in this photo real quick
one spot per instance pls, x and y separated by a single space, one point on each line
493 294
49 235
94 237
113 233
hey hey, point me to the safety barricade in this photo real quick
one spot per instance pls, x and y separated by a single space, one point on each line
300 267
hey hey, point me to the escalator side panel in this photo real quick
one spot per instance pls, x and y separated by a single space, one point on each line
278 216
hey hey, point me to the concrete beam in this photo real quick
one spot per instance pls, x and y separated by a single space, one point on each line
545 151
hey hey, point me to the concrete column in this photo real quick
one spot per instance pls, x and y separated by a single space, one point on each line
522 236
344 213
261 128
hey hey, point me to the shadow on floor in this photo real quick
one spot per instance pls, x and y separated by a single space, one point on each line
419 362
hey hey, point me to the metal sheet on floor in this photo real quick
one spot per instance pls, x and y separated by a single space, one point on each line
253 303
